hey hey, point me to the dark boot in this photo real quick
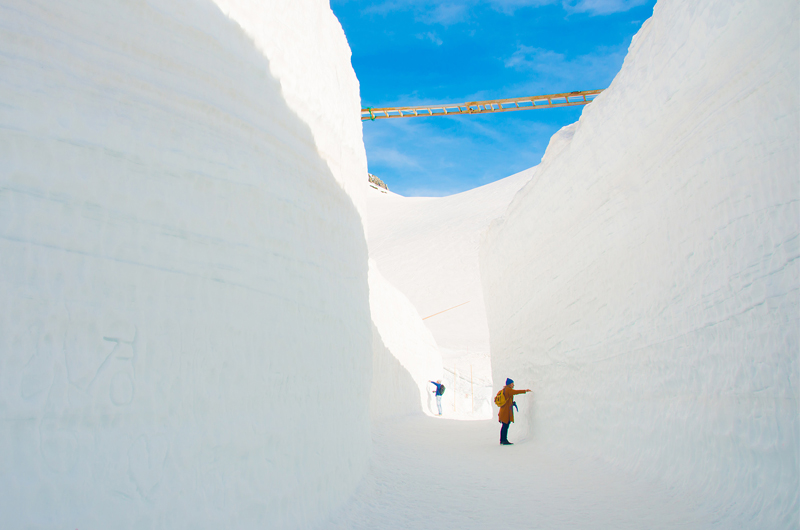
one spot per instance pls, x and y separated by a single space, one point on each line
504 434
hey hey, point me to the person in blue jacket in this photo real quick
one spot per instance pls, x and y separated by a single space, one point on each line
439 391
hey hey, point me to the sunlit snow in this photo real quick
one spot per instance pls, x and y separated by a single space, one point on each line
211 320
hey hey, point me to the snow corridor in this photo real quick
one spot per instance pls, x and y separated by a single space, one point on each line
210 319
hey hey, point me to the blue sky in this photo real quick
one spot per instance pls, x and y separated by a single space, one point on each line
408 52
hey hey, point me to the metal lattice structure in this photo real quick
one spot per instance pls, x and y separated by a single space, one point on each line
567 99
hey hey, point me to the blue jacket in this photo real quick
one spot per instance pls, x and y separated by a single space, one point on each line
439 388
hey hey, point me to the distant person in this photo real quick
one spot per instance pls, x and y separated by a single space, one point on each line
506 414
439 391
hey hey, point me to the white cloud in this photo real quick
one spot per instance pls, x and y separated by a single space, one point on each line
548 68
592 7
600 7
392 157
387 7
443 12
446 13
449 12
536 59
509 6
431 36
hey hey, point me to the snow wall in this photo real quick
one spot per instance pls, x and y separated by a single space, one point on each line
394 391
401 383
185 337
645 282
427 249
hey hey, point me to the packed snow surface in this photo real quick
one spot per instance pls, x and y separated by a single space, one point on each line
443 473
185 337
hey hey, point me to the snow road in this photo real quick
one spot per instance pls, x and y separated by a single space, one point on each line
441 473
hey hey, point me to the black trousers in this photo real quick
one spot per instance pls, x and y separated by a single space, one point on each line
504 432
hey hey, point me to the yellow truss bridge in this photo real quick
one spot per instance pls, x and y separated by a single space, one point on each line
567 99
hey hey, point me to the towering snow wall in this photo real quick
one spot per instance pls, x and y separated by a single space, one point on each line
185 336
309 55
645 282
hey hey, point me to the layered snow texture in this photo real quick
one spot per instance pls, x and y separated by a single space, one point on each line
394 392
403 335
309 55
426 249
645 282
185 335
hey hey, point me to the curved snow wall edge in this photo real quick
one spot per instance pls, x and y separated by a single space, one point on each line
394 391
316 77
185 338
406 354
645 283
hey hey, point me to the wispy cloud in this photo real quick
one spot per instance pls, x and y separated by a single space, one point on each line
430 12
600 7
548 68
410 52
510 6
446 13
431 36
449 12
442 156
391 156
385 8
591 7
529 58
